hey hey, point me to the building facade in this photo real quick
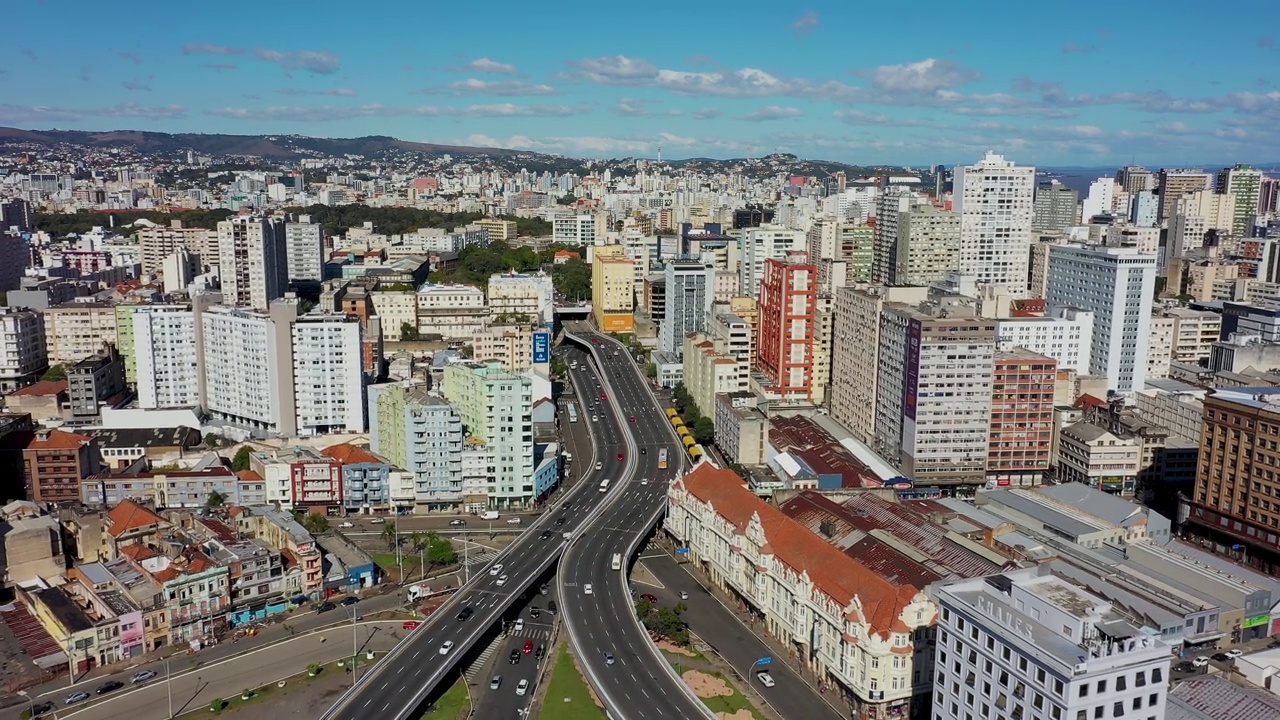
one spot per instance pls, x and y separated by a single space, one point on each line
1021 417
613 294
689 292
253 261
787 330
496 407
994 200
422 434
25 354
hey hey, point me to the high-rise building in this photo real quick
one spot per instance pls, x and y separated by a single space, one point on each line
1021 437
496 406
421 433
522 294
1031 645
15 258
688 302
247 374
928 246
1135 179
1066 335
1144 209
1244 182
842 252
1117 285
1099 200
328 374
160 241
74 331
1199 217
613 292
25 355
889 204
1176 182
583 229
17 214
1056 207
994 201
162 353
764 243
253 262
786 337
304 250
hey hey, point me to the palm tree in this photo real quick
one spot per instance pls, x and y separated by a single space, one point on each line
390 535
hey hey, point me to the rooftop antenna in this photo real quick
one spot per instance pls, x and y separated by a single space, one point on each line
659 154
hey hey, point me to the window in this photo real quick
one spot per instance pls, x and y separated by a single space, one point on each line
1102 686
1084 689
1157 676
1117 710
1122 683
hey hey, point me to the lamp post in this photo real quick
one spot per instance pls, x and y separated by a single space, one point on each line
30 700
355 647
168 685
767 659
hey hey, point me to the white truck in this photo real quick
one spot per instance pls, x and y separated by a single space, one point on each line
617 561
489 515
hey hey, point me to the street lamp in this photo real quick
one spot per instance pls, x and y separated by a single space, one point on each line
30 700
355 647
767 659
168 686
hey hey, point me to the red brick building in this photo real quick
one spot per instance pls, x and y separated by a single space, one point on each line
787 320
51 463
1021 438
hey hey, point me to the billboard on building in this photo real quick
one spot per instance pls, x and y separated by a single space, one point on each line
541 347
912 368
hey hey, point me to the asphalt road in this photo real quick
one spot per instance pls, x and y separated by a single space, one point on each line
400 683
639 684
791 697
504 702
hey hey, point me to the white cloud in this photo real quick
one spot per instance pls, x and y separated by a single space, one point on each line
320 62
806 23
707 113
509 88
631 107
332 92
329 112
485 65
771 112
928 75
44 113
202 48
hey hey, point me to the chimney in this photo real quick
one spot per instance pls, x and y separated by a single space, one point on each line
42 435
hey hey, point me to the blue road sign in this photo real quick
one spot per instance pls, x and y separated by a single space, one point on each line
682 551
765 660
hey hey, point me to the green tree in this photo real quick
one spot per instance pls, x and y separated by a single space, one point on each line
567 199
559 368
409 332
440 551
390 535
55 372
666 623
315 524
651 370
241 460
215 500
572 280
703 430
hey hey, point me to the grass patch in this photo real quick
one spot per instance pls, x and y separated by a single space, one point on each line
300 681
731 703
451 703
567 683
675 658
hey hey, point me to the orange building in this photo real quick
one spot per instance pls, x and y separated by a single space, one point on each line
1021 439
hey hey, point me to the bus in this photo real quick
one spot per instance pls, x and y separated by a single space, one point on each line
617 561
662 459
573 413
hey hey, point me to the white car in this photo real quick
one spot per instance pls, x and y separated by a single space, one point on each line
446 647
765 679
1200 662
1233 654
522 687
518 626
502 580
599 465
497 568
644 481
378 520
595 418
586 589
346 524
513 521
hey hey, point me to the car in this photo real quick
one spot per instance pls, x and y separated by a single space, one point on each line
644 481
513 521
649 598
542 589
522 687
644 451
108 686
559 521
496 682
1200 662
411 625
586 589
76 697
502 580
595 418
518 626
378 520
534 612
608 658
552 608
599 465
631 418
142 676
495 569
465 613
765 679
346 524
602 397
41 708
457 523
1220 657
544 534
446 647
1184 667
620 456
325 607
541 651
514 657
349 601
684 595
1233 654
528 647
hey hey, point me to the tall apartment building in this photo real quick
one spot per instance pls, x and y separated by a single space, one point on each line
933 391
928 246
18 214
160 241
423 434
1144 209
1176 182
74 331
15 257
785 340
1039 283
764 243
1021 436
884 241
1144 239
304 250
1199 216
994 201
1245 183
510 344
848 249
496 406
1066 336
613 295
1117 285
531 295
247 376
163 353
451 311
1056 207
1099 201
25 356
689 292
709 372
253 261
328 374
1181 335
1134 179
499 230
397 310
583 229
1031 645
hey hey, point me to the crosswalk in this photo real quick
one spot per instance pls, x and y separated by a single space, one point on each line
478 665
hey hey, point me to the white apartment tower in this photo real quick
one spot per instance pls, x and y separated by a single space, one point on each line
328 374
994 200
25 356
252 261
247 379
767 242
1117 286
690 286
304 250
164 351
1030 645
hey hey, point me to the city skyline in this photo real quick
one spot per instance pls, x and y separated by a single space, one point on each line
1041 88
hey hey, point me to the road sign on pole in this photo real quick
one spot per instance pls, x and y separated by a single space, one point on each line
765 660
682 551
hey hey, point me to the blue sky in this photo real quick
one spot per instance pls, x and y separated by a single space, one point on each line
1163 83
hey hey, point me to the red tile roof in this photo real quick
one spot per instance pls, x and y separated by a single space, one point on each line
839 576
129 515
1089 401
249 476
31 635
349 454
57 440
42 388
138 552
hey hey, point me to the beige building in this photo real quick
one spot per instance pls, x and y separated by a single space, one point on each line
1203 278
1159 347
709 372
451 311
928 246
510 344
499 230
1199 213
32 544
74 331
613 294
1039 287
159 242
396 309
1100 459
742 430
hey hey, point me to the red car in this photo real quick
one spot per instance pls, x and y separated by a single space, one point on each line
619 456
602 397
528 646
632 418
411 625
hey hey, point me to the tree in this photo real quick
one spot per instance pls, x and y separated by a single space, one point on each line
55 372
703 430
559 368
390 535
566 199
215 500
651 370
241 460
666 623
315 524
440 551
409 332
572 279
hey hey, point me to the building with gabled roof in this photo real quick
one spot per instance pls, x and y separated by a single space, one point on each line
130 523
853 628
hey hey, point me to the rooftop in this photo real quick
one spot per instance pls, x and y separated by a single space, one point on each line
42 388
349 454
129 515
1216 698
144 437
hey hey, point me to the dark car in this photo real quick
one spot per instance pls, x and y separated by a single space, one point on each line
644 451
515 656
1221 657
552 608
535 612
465 613
349 601
559 521
109 686
631 418
326 607
41 708
544 534
649 598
